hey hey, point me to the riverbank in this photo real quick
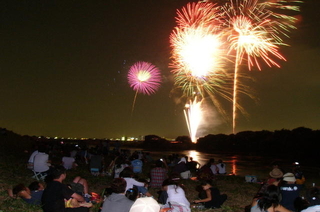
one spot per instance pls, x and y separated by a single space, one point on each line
13 171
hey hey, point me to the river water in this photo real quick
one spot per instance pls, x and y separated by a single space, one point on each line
243 165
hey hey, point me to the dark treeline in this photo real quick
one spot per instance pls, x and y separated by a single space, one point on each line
300 143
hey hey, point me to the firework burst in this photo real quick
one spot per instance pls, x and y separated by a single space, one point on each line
143 77
255 34
196 49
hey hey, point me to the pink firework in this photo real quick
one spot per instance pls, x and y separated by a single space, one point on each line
143 77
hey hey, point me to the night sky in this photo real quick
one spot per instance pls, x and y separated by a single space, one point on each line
63 69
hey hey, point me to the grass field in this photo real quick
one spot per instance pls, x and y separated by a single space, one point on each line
14 171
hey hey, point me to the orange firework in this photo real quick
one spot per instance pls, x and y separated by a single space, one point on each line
255 32
196 49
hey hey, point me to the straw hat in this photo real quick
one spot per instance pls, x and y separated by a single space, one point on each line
145 204
276 173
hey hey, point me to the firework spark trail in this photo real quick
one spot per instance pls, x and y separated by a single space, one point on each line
193 115
255 32
143 77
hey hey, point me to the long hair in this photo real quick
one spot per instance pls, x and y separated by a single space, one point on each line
270 198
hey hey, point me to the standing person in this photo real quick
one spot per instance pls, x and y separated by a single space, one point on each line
158 174
290 191
54 195
221 167
212 197
117 201
176 196
269 201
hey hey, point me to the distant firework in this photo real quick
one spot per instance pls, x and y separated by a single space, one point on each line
143 77
255 34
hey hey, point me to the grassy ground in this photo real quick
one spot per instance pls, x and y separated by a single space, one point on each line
13 171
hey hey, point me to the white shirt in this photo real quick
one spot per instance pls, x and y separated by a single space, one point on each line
222 170
131 182
32 156
40 163
214 168
315 208
176 194
68 162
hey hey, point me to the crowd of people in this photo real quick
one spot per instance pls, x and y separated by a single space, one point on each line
127 192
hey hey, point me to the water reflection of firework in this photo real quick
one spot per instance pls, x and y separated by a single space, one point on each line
193 115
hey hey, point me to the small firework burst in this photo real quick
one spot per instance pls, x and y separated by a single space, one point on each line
143 77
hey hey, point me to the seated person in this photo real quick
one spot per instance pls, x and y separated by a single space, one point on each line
136 164
55 194
68 162
117 201
31 194
127 174
176 198
210 196
80 186
221 167
158 174
269 201
132 194
41 161
289 190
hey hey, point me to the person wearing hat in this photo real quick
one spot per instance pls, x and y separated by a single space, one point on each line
290 191
276 175
145 204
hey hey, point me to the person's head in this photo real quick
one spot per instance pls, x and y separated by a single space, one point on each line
126 172
119 185
18 188
59 172
270 198
211 160
206 184
159 163
183 160
34 186
132 194
289 178
145 204
42 148
276 173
